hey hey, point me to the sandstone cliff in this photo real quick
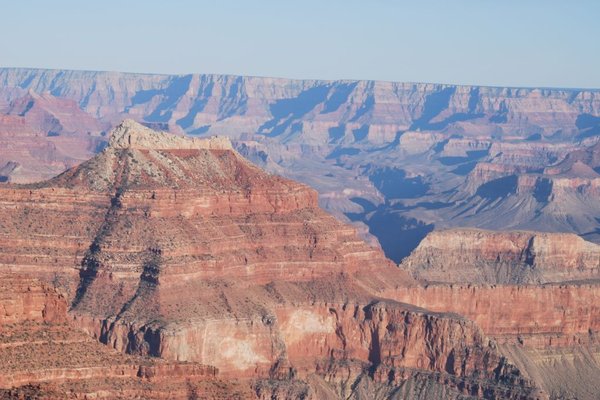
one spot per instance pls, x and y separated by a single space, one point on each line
193 255
534 293
44 356
395 158
496 257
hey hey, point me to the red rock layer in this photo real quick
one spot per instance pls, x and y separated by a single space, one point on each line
45 135
549 331
39 347
189 253
545 315
397 339
309 129
28 299
505 257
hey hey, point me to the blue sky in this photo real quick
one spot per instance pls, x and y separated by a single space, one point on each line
491 42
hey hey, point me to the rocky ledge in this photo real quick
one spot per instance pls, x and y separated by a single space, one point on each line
503 257
195 256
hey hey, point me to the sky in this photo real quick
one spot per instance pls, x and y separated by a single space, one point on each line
531 43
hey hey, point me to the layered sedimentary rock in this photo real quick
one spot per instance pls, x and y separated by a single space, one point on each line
509 257
539 194
535 294
563 372
197 101
44 356
543 286
202 221
183 250
44 135
552 314
549 331
329 350
28 299
399 341
391 157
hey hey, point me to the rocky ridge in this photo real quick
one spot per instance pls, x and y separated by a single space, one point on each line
491 257
397 159
194 255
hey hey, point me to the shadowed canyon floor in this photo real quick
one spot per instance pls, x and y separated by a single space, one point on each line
200 275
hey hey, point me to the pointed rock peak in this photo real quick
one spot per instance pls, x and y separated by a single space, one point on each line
133 135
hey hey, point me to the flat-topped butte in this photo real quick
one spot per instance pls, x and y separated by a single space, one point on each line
132 135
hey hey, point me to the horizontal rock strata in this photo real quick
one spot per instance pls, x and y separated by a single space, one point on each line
503 257
192 265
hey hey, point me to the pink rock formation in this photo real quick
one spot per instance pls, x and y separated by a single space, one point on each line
45 135
183 250
514 257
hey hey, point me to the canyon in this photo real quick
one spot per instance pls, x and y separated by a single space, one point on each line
397 160
137 263
167 266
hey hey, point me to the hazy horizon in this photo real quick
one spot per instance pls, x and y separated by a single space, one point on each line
534 44
300 79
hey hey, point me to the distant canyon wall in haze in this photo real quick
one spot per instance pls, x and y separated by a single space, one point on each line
397 159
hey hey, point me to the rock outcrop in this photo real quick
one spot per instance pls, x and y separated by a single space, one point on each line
131 135
535 294
191 254
497 257
201 273
28 299
548 331
391 157
45 356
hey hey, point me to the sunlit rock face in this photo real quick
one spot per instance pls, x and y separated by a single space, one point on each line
513 257
181 249
396 159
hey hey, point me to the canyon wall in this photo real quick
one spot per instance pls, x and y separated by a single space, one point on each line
548 330
193 271
195 257
516 257
396 159
44 355
264 104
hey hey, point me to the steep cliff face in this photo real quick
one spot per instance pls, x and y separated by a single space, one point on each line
44 356
390 157
181 249
397 342
28 299
548 330
546 315
492 257
277 106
